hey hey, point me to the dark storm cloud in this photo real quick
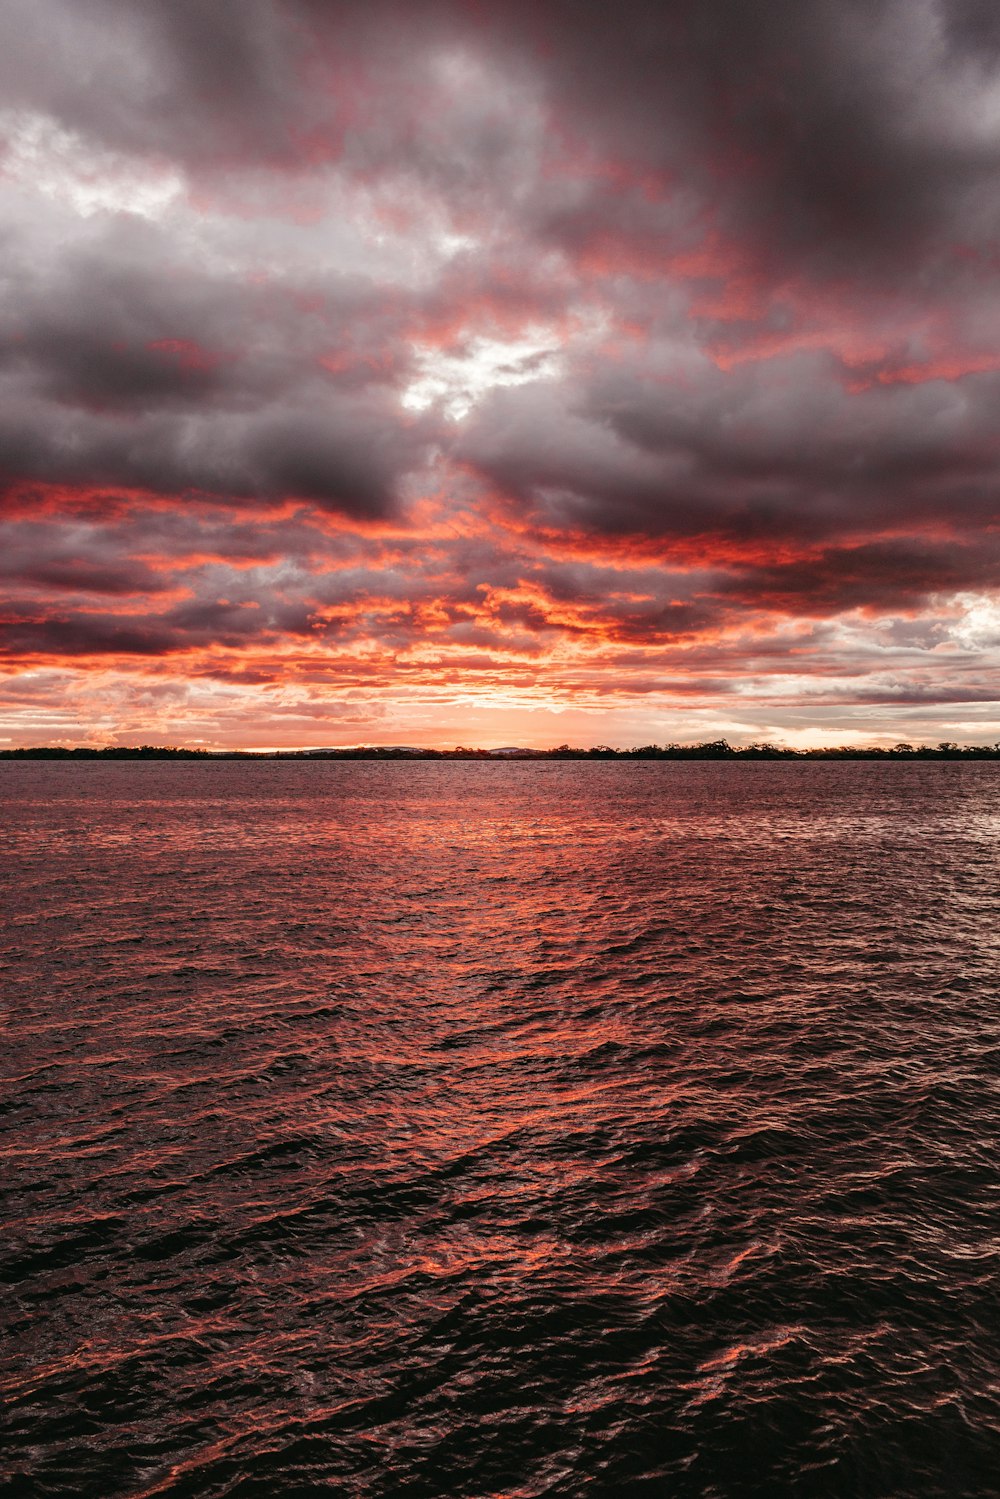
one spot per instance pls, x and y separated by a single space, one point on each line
819 124
899 574
123 365
758 237
972 27
345 458
759 453
209 622
81 635
53 557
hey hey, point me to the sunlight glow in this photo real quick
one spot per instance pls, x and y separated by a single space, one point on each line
457 381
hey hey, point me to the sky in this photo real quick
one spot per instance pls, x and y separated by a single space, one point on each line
499 372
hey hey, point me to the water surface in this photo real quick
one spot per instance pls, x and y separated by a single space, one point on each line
501 1129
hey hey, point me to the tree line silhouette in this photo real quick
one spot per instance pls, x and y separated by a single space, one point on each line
715 749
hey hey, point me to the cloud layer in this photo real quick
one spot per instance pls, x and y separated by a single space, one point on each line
519 372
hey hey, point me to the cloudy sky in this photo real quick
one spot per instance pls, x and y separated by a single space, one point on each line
499 371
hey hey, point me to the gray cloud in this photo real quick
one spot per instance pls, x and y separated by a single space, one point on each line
740 254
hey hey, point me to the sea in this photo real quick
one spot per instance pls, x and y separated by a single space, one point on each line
499 1130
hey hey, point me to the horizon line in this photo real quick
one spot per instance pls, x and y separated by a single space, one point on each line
708 750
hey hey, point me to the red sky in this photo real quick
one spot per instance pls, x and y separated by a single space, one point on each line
499 373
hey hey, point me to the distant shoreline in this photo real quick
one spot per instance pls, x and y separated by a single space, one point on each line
715 750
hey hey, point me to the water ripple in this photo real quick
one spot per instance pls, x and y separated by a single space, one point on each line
501 1130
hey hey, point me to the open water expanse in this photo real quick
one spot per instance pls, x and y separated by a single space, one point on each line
491 1131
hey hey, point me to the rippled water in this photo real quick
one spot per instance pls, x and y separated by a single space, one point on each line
501 1129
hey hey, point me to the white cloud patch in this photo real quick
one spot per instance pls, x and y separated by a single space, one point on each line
456 381
61 165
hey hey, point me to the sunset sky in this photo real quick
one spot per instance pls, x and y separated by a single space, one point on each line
499 372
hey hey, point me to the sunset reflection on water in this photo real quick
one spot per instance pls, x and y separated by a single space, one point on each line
457 1128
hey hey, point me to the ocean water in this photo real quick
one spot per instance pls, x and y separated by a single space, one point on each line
501 1130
